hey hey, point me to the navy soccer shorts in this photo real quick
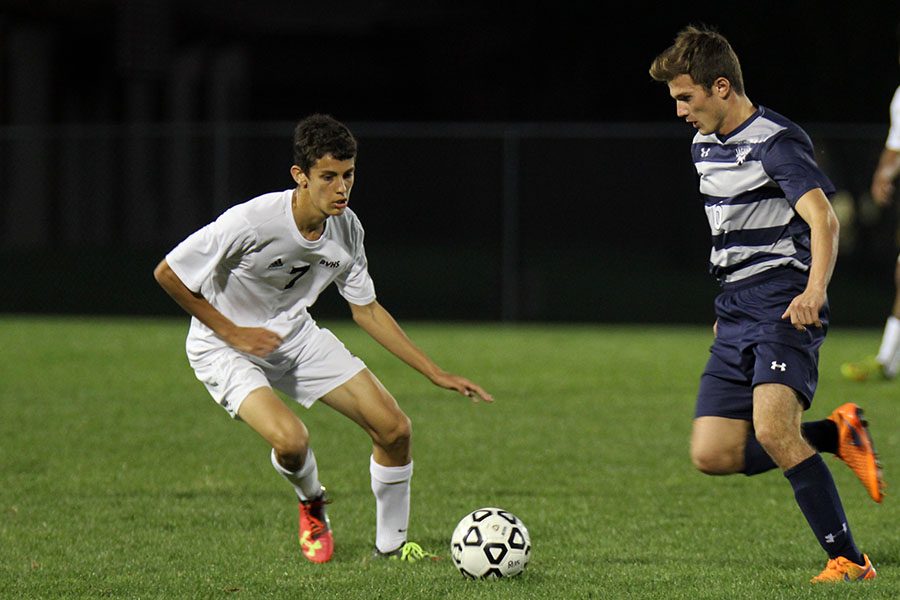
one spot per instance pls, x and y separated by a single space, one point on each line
754 346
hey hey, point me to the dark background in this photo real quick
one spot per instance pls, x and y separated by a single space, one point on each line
455 61
516 160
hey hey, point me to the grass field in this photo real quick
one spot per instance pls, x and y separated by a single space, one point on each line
119 477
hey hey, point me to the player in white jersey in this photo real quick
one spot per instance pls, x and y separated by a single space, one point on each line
248 279
886 363
774 238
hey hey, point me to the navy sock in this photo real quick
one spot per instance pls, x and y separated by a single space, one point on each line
821 435
756 459
818 499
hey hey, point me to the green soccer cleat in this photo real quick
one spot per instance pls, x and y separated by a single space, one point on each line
408 552
864 370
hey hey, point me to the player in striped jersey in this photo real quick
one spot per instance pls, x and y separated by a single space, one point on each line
774 247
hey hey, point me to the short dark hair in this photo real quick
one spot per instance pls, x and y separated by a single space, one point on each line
318 135
702 53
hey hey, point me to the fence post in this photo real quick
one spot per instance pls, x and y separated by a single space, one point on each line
510 228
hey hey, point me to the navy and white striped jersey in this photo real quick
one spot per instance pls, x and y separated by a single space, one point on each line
751 180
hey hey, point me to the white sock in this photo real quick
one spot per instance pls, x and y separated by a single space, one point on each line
391 488
306 480
889 353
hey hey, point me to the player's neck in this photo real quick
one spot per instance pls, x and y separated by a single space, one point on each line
742 110
310 223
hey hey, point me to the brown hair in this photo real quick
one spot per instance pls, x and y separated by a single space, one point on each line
318 135
702 53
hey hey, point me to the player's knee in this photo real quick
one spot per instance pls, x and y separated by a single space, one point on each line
710 462
771 438
782 445
290 444
397 436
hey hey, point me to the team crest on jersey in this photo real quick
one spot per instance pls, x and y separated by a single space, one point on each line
740 154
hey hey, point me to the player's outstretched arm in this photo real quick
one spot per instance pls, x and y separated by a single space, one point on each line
375 320
252 340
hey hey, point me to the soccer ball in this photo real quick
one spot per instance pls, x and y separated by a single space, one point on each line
490 543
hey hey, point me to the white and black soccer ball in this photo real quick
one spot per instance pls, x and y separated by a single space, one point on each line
490 543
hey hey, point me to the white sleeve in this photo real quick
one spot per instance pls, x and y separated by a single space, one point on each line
196 258
354 283
893 139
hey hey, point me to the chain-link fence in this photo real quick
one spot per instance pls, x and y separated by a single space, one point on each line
550 222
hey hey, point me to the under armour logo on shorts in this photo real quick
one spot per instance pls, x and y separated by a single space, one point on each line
780 366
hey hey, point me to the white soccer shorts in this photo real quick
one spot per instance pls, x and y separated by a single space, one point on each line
315 365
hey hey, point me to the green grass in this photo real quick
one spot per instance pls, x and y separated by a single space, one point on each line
119 477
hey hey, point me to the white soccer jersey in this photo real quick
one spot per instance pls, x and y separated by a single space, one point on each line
893 139
253 265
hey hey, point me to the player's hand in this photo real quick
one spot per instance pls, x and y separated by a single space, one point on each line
471 390
804 309
257 341
882 190
716 328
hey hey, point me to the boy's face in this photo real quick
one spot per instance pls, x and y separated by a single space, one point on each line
699 106
328 184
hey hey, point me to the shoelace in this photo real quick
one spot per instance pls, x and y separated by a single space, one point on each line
842 565
832 566
315 513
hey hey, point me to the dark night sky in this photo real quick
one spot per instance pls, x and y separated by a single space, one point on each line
488 61
238 61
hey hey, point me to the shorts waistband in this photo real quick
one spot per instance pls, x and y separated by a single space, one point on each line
766 275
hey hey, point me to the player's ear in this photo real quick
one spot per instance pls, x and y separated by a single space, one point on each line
721 87
299 176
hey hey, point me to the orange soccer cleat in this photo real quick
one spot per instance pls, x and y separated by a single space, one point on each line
316 540
842 569
855 448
